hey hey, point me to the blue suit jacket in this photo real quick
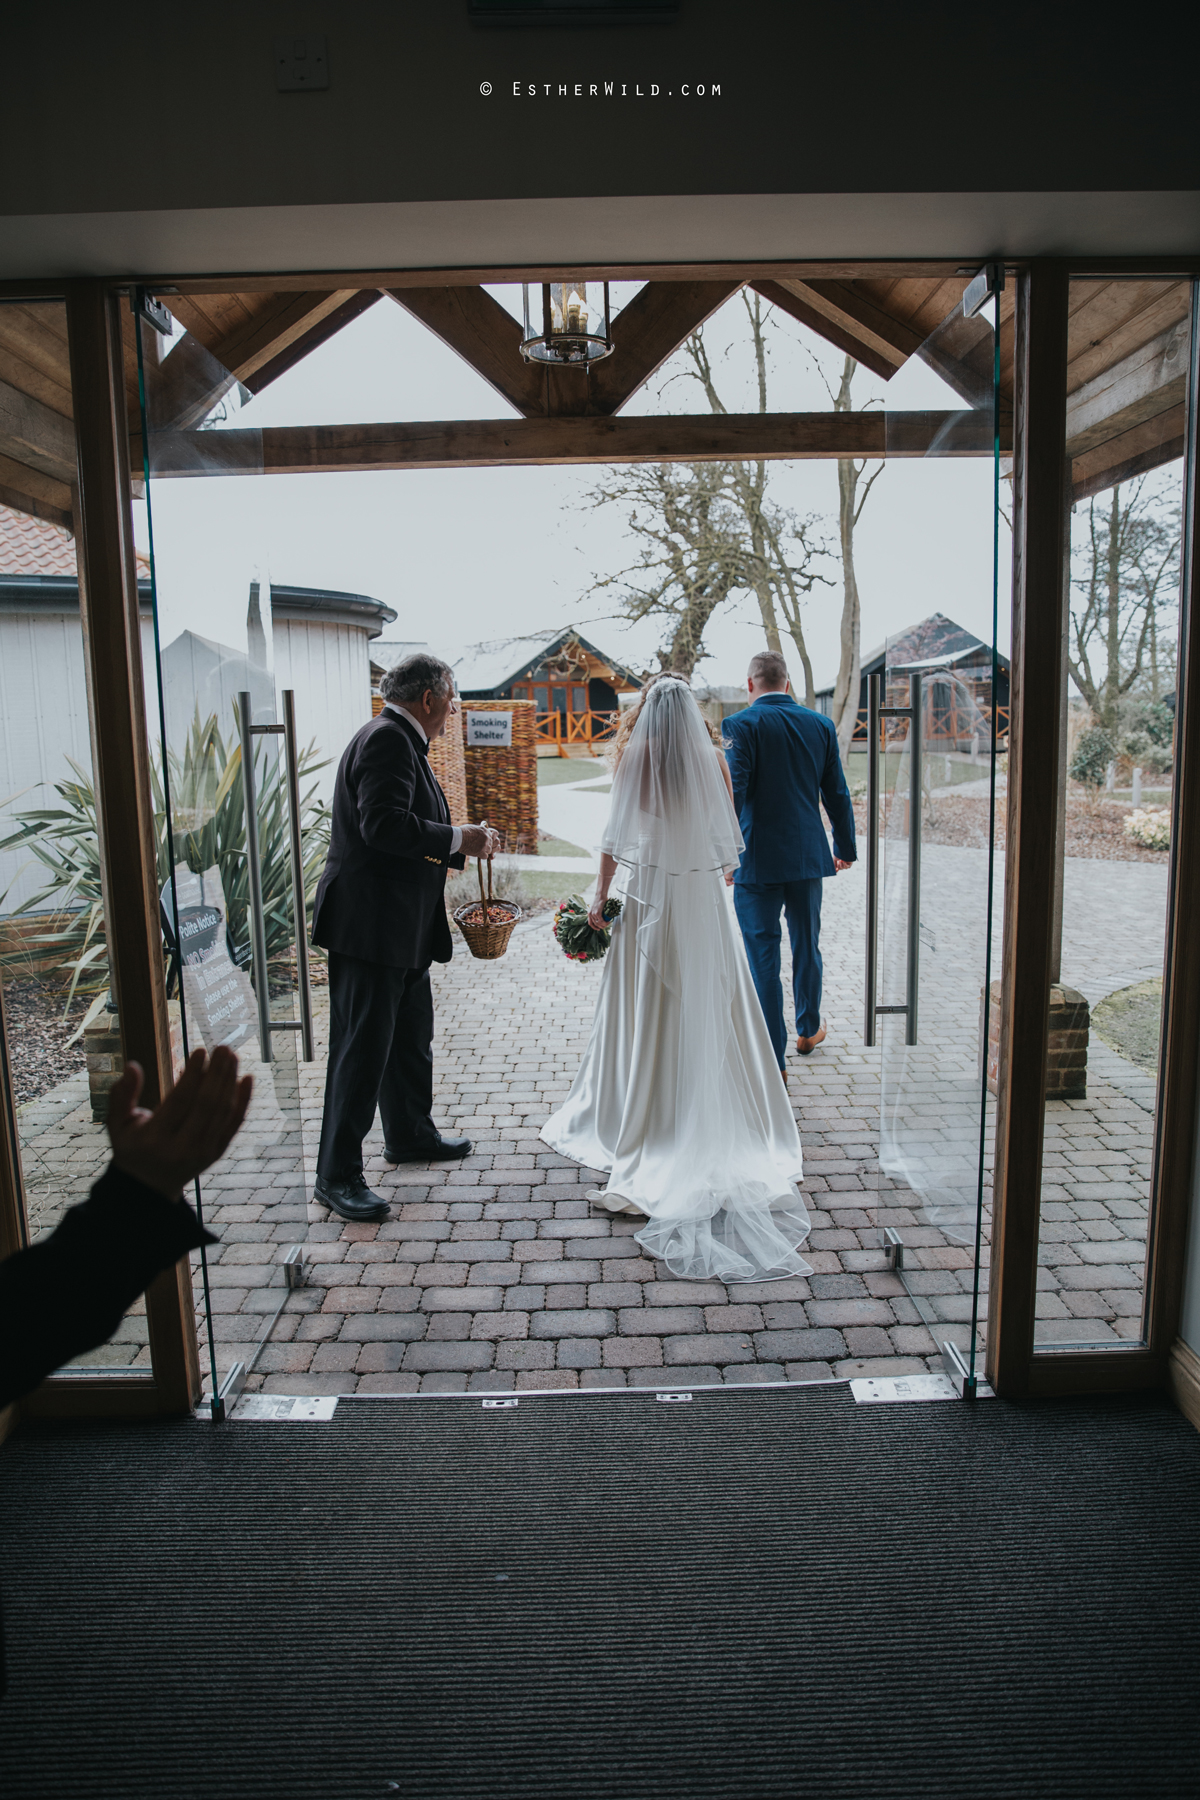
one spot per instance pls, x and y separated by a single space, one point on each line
784 761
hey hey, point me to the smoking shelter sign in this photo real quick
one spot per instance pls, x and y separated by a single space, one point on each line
493 729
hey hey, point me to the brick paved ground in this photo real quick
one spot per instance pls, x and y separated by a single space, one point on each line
498 1274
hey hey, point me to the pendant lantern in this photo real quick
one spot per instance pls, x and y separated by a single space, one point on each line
564 324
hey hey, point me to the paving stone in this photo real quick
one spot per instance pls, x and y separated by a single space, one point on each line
380 1359
546 1379
868 1340
578 1353
369 1328
670 1380
500 1251
685 1293
446 1327
614 1293
732 1318
724 1347
857 1366
566 1296
350 1299
525 1298
500 1325
799 1346
808 1371
286 1358
628 1268
526 1354
632 1352
446 1381
464 1299
753 1374
840 1313
447 1357
388 1384
587 1321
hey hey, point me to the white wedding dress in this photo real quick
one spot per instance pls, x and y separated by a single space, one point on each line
679 1095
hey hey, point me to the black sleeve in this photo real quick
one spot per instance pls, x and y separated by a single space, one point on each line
385 778
69 1292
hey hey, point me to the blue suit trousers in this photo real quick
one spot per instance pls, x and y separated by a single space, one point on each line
758 911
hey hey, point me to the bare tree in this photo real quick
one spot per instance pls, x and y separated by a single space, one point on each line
852 497
1128 567
695 550
711 530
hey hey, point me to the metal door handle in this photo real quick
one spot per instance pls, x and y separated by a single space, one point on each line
877 711
300 911
874 702
258 926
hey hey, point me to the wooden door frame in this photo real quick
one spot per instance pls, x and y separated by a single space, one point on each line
125 818
109 602
1041 600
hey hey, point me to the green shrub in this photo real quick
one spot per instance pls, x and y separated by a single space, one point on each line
1094 750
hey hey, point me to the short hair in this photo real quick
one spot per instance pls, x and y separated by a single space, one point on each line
413 675
769 668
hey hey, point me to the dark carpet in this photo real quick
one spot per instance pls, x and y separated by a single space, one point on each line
763 1593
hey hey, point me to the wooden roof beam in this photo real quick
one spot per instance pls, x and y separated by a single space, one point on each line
32 433
485 335
840 335
659 318
276 322
1148 381
288 355
29 491
527 443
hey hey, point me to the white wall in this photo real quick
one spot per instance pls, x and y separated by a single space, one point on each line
43 721
329 666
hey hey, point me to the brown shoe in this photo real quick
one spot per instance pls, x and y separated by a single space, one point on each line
806 1046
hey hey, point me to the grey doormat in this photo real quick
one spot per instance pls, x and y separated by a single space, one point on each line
761 1593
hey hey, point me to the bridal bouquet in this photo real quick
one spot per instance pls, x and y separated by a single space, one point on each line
579 940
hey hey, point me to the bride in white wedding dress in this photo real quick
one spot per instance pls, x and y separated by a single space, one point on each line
679 1094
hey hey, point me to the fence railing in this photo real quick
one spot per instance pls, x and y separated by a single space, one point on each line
948 725
568 730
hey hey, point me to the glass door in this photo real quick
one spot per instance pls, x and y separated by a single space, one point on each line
242 837
937 724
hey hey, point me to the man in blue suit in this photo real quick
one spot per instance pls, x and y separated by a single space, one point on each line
784 761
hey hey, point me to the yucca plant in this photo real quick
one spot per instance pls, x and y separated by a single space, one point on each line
209 818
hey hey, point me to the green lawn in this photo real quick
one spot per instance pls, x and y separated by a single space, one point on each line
559 847
553 770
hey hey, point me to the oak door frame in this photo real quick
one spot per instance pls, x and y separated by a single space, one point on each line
1041 603
125 818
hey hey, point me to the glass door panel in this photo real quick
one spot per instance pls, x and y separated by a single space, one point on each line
1129 345
937 720
62 1023
240 843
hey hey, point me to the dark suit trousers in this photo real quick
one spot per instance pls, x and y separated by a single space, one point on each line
758 910
380 1054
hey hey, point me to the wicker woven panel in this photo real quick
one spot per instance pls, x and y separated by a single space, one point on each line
502 782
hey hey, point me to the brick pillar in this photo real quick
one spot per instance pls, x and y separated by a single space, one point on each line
105 1055
105 1060
1066 1064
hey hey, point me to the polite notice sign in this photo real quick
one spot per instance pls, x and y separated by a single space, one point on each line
491 728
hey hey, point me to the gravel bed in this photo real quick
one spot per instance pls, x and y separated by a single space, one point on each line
38 1052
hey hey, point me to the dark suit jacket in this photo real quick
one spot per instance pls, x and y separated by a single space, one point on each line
783 760
70 1291
382 896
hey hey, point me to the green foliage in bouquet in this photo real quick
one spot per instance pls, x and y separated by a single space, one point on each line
579 940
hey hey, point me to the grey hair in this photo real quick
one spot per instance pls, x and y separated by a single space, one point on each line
414 675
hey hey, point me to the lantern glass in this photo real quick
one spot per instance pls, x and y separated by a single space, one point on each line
566 321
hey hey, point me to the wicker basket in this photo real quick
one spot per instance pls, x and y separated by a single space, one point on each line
490 939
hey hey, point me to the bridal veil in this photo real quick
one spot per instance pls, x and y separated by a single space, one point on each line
679 1095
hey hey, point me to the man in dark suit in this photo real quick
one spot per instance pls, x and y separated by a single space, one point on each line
784 762
380 913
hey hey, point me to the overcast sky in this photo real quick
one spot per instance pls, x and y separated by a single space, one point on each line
465 555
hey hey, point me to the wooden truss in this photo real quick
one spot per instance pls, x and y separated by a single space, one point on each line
1126 367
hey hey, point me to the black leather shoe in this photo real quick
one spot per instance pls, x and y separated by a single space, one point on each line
434 1149
352 1199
